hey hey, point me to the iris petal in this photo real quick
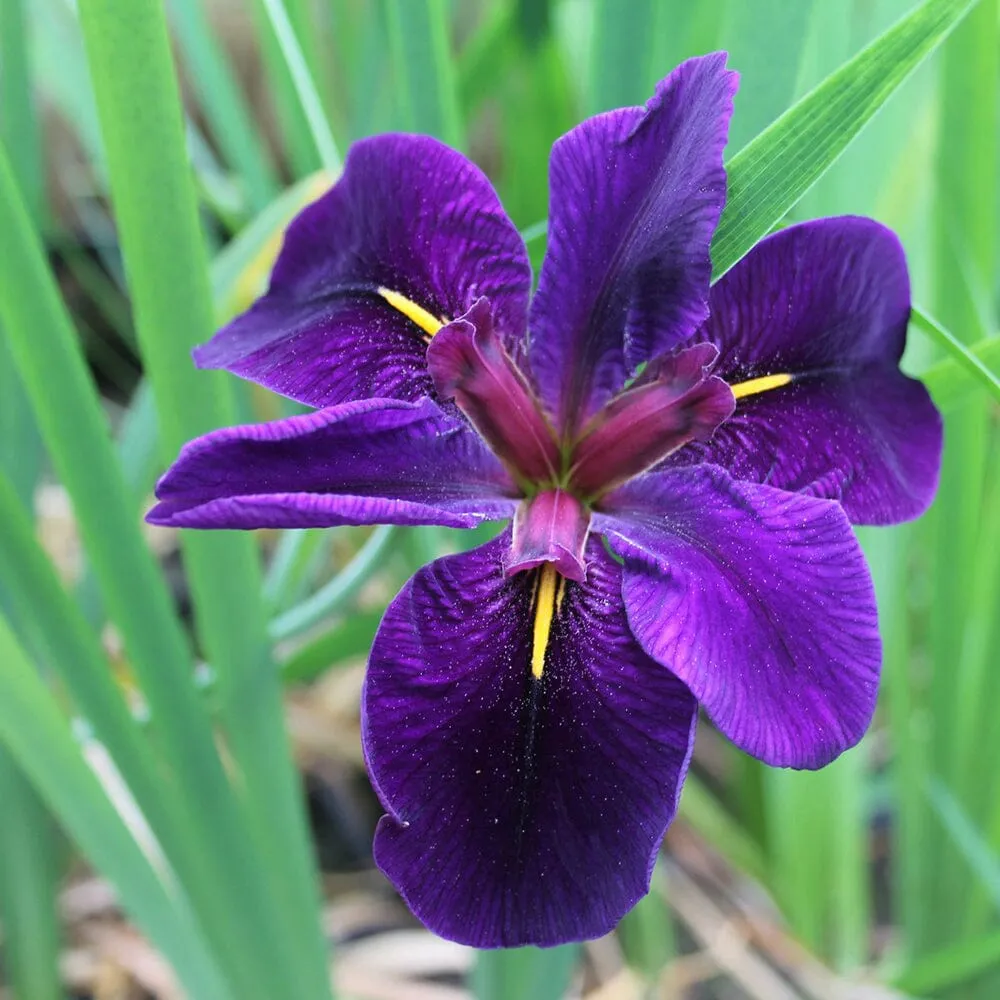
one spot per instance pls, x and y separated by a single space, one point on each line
759 600
521 811
374 461
635 197
826 302
409 217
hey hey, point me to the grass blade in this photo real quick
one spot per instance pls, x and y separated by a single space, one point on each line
420 47
524 973
39 739
765 40
305 86
29 881
73 427
168 277
964 258
339 590
950 967
223 103
769 175
621 56
962 355
951 383
972 845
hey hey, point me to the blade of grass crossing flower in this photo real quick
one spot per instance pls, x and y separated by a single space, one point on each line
420 44
223 103
39 738
168 277
769 175
965 257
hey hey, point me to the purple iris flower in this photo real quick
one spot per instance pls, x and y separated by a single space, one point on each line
681 466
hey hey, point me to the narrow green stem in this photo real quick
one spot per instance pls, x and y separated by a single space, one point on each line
341 588
305 88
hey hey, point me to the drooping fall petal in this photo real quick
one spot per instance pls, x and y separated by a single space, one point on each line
410 237
759 600
826 303
521 810
374 461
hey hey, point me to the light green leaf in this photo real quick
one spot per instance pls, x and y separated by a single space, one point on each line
427 89
967 360
769 175
38 737
166 266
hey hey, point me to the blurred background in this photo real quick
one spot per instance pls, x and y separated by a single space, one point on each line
877 877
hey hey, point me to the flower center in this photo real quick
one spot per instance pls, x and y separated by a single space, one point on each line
674 401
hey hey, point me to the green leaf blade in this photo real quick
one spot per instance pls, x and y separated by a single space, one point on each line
769 175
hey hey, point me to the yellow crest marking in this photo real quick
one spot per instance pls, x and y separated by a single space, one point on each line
762 384
427 322
547 599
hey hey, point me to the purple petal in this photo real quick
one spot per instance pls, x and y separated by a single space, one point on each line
373 461
521 811
468 363
759 600
635 197
828 303
409 215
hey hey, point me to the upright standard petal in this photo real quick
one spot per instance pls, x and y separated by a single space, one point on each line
409 238
635 197
811 325
521 809
374 461
759 600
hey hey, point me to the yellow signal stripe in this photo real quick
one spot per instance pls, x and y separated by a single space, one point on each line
547 598
756 385
427 322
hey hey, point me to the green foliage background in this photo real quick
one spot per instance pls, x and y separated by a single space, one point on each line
181 203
